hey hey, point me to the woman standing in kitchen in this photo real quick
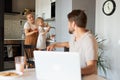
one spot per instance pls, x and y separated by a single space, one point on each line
31 32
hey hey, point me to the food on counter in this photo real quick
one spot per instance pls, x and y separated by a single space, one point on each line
9 74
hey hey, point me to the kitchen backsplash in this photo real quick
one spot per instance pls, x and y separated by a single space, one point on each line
12 27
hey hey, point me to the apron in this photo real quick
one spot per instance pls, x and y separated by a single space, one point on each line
31 40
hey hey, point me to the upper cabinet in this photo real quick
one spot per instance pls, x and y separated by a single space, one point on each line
45 9
18 6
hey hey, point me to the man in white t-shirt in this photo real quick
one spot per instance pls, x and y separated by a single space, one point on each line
82 41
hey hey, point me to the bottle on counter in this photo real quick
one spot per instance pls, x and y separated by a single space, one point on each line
23 36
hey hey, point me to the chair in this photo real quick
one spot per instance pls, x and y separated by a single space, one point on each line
28 49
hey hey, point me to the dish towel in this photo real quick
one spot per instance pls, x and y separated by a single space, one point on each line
9 51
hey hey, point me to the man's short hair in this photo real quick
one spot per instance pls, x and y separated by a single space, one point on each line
79 17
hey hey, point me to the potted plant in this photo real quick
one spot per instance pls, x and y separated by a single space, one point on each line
102 62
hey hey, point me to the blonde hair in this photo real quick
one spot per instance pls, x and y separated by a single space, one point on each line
27 13
39 18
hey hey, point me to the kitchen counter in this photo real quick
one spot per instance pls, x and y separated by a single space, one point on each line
13 41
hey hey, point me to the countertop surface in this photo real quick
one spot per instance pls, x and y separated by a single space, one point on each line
13 39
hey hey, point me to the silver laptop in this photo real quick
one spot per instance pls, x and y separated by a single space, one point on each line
51 65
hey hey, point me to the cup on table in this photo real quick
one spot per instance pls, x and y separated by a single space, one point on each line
19 64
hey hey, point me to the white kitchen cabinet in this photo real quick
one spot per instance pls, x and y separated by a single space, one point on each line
43 8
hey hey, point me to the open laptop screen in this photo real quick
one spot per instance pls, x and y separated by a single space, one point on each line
51 65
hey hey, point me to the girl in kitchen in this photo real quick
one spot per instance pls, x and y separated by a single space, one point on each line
31 32
43 29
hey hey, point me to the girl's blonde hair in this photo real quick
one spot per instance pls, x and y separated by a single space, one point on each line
39 18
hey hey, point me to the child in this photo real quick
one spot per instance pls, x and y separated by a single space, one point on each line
41 41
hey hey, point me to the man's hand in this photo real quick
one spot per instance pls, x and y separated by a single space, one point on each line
51 47
57 45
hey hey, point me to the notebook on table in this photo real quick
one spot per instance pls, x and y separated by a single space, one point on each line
52 65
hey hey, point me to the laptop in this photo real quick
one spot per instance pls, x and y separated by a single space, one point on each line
52 65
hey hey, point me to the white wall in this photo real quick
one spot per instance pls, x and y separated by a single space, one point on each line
63 7
108 27
20 5
43 7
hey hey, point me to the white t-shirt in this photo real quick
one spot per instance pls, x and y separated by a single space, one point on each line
86 46
29 26
41 41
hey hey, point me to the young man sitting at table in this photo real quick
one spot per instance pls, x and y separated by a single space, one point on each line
82 41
